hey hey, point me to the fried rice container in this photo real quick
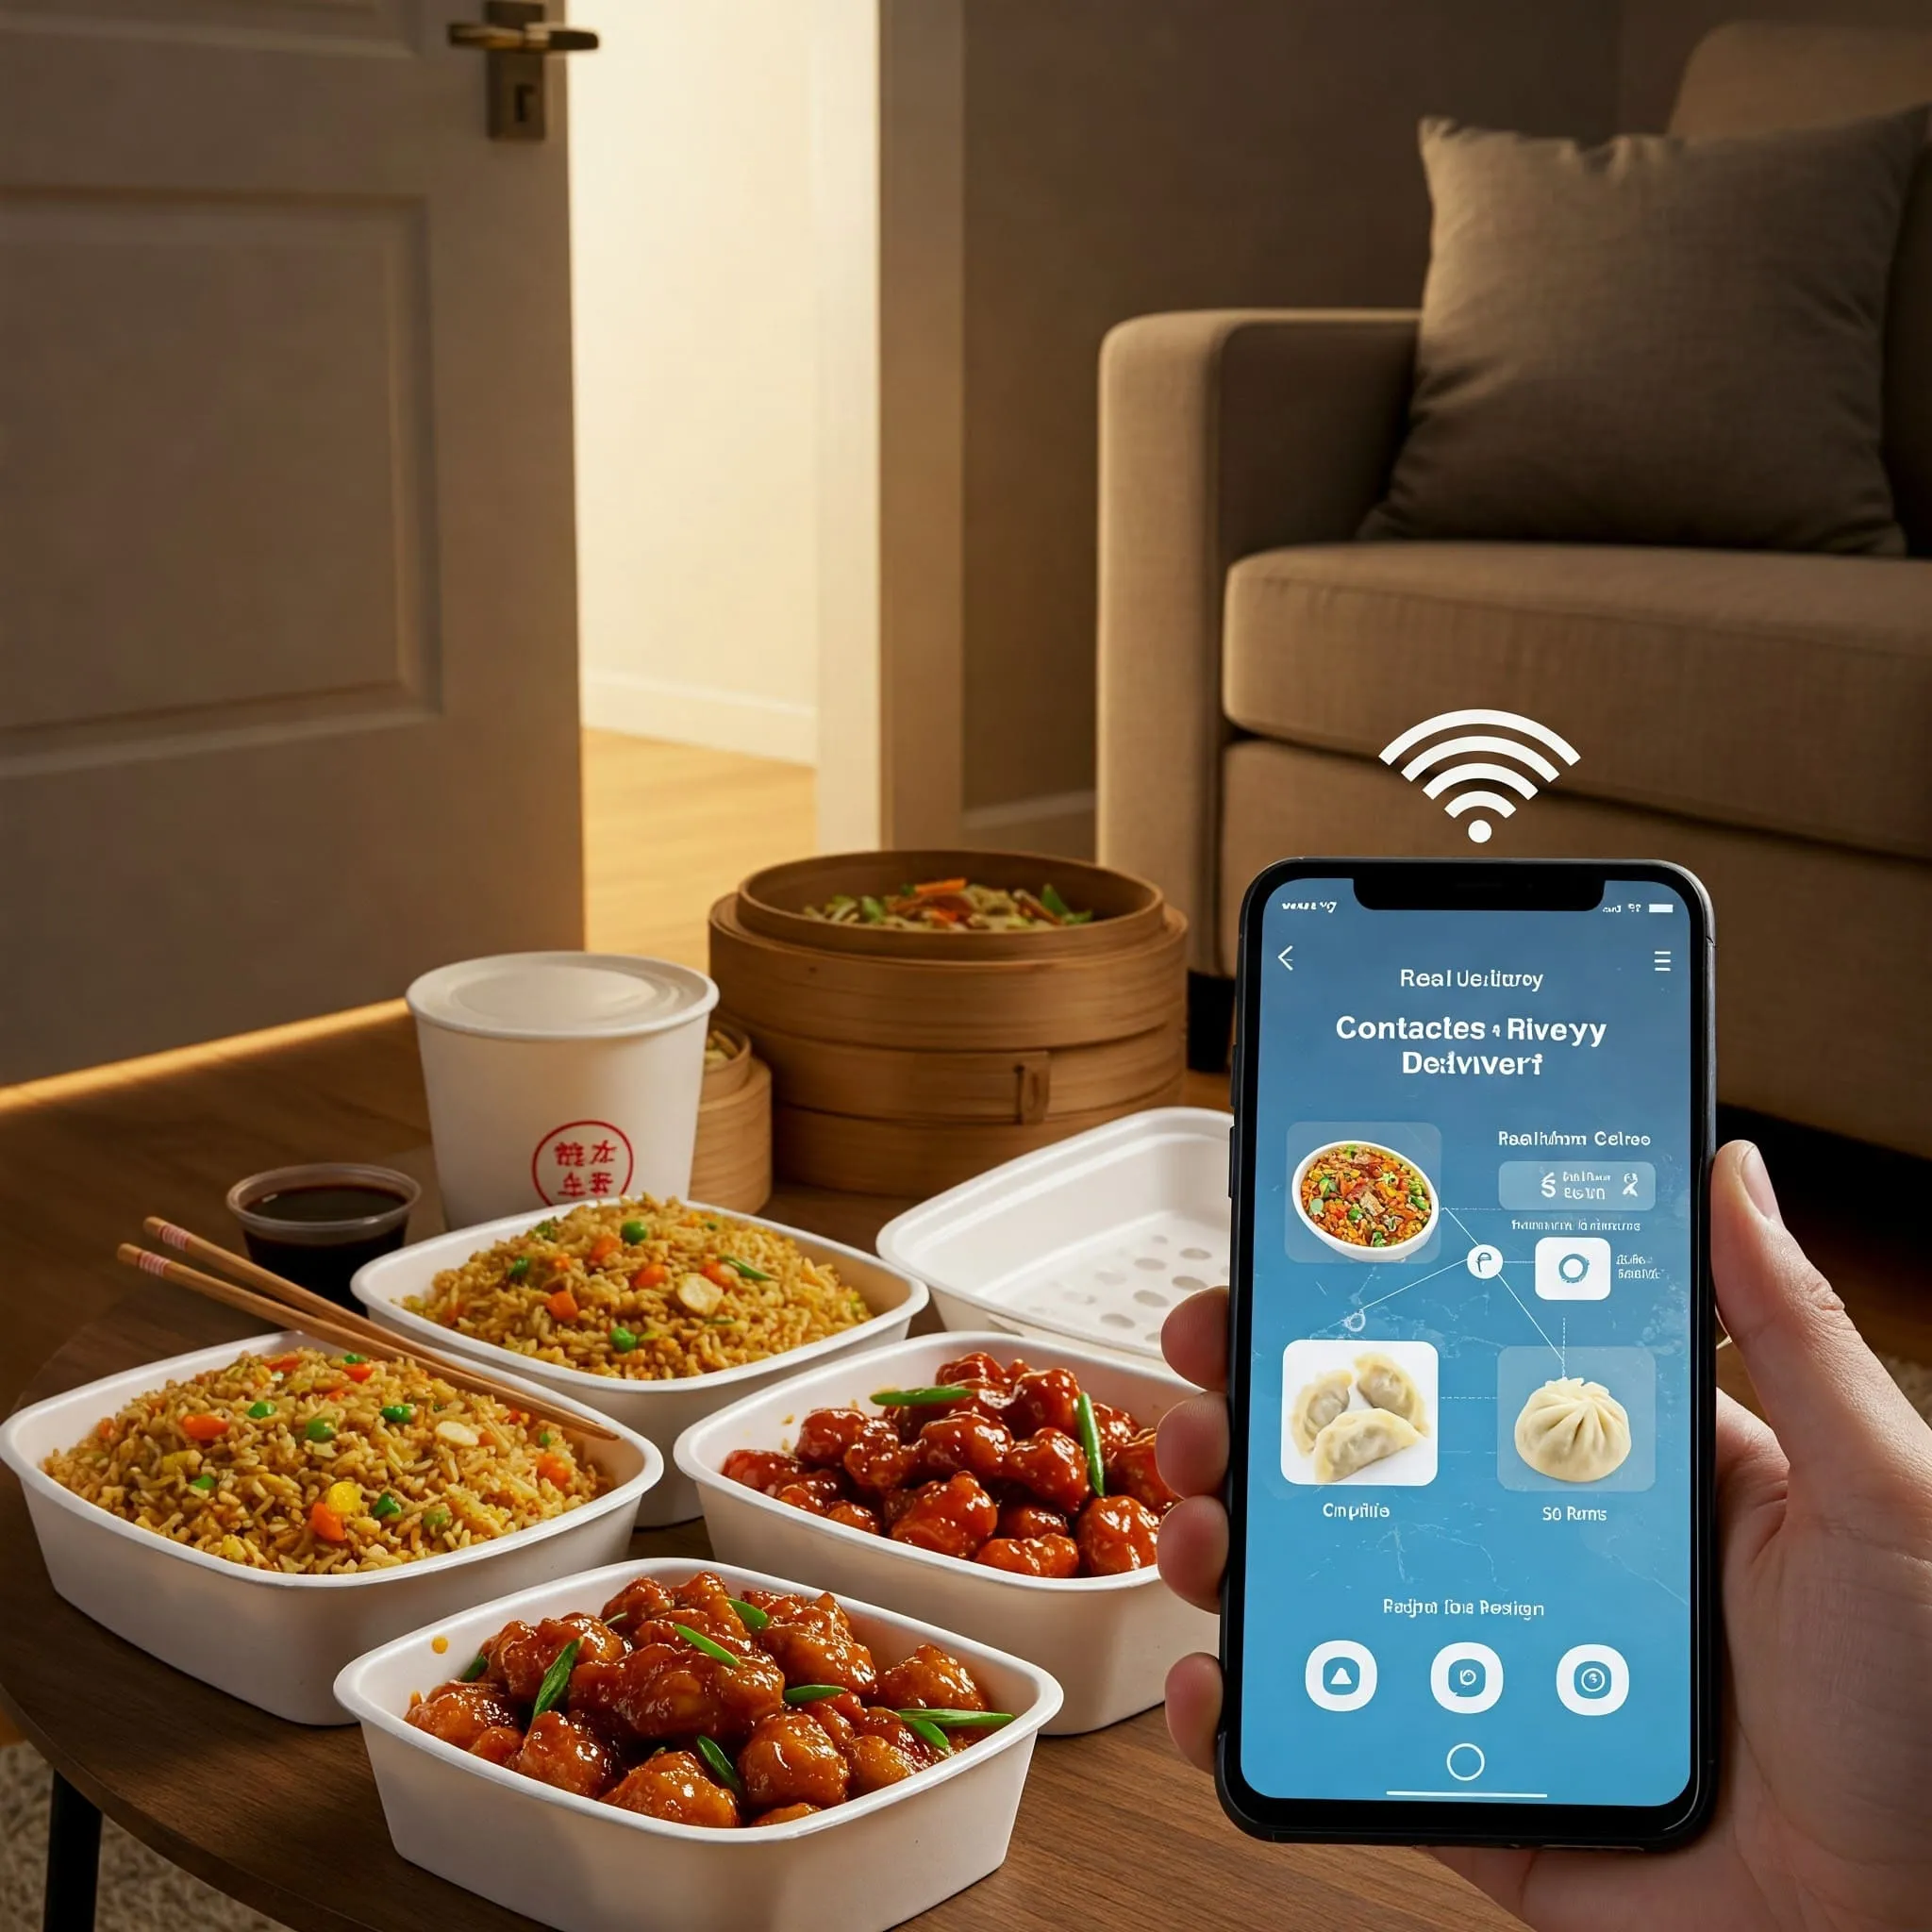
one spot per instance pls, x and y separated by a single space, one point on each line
1109 1640
582 1866
658 1411
274 1640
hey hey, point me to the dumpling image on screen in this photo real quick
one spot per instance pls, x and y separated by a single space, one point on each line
1356 1438
1386 1386
1317 1406
1574 1430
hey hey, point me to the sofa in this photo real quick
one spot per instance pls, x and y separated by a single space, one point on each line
1764 718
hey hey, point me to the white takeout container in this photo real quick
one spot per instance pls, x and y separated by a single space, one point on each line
271 1638
659 1412
583 1866
548 1071
1393 1251
1109 1640
1093 1238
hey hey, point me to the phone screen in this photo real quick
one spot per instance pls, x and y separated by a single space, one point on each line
1469 1484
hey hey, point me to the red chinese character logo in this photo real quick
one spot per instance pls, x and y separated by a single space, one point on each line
577 1152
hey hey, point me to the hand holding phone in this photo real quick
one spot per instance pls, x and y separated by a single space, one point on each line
1828 1732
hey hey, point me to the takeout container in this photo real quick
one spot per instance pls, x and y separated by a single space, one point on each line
583 1866
1094 1240
272 1640
1392 1251
1109 1640
904 1061
658 1411
560 1077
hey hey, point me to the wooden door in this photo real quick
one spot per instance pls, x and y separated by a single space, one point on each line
288 631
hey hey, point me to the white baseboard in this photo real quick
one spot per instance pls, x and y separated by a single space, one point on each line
646 707
1060 822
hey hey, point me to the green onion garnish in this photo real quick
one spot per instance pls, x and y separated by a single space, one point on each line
354 1361
960 1719
1050 898
1090 1440
697 1637
542 1438
517 1269
746 1269
748 1614
633 1232
718 1762
436 1521
384 1506
546 1228
555 1679
612 1623
261 1411
871 909
203 1483
921 1725
477 1665
318 1428
398 1412
919 1398
814 1693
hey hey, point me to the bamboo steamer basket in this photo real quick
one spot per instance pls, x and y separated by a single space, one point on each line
731 1165
904 1062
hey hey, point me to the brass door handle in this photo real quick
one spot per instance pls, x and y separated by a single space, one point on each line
513 37
535 36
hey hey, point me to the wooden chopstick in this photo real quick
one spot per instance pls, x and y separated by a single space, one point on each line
353 1335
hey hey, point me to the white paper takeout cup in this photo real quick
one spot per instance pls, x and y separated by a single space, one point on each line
555 1078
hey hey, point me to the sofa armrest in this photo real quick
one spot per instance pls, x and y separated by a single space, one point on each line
1221 433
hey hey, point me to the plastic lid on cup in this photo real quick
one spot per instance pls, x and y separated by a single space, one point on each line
561 995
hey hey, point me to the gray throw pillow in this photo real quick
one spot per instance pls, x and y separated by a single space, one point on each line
1657 340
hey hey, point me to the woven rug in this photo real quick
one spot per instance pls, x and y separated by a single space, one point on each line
142 1892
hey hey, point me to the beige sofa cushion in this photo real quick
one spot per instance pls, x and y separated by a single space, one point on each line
1789 692
1657 340
1803 931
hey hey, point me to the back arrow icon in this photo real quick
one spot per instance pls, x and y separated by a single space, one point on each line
1282 956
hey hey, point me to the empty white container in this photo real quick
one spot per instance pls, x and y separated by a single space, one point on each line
1109 1640
560 1077
269 1638
1096 1238
659 1412
583 1866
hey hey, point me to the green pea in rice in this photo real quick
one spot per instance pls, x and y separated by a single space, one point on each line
731 1293
462 1469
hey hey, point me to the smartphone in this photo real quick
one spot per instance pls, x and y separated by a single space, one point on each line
1470 1595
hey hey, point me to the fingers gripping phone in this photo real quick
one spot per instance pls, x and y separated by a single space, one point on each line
1470 1595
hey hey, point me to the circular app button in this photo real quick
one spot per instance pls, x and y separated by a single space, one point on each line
1465 1761
1484 1261
1341 1675
1466 1676
1592 1681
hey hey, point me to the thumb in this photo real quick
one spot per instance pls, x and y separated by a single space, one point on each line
1839 1416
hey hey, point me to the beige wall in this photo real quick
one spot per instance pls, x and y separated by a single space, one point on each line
695 298
1127 155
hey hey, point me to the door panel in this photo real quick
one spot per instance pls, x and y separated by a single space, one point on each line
288 694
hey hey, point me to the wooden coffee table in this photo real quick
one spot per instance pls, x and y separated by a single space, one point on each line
1114 1829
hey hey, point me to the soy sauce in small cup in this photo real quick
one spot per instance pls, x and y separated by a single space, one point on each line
317 1225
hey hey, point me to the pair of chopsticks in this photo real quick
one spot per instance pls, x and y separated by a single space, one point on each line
280 1298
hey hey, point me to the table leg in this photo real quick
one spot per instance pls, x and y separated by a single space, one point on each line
74 1860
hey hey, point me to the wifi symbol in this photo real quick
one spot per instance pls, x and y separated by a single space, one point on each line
1476 771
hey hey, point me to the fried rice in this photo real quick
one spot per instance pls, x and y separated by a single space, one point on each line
322 1464
651 1291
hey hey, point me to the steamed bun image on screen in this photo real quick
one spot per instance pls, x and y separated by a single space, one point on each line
1574 1430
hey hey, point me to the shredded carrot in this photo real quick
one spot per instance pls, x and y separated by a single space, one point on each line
325 1524
652 1275
283 1364
359 1372
203 1428
936 886
603 1248
562 1305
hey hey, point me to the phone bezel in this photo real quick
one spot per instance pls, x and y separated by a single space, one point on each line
1486 884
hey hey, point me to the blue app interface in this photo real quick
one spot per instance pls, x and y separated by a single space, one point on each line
1469 1457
